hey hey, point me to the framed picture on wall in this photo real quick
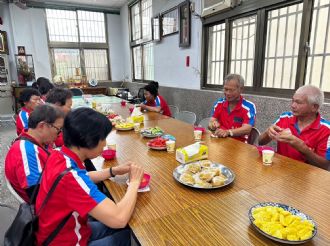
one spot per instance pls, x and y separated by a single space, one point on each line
3 43
185 24
156 28
170 22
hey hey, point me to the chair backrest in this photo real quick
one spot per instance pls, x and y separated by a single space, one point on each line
12 191
187 116
76 91
174 110
140 96
253 137
205 122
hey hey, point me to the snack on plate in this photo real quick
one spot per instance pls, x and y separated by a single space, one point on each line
203 184
193 168
125 126
218 180
206 175
205 163
281 224
157 142
187 178
153 131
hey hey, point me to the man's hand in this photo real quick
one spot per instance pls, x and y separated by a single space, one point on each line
221 133
143 106
292 140
274 131
214 124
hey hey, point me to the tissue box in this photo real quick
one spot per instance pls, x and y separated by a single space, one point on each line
182 157
138 119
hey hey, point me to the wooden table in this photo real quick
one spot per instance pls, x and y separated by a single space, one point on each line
173 214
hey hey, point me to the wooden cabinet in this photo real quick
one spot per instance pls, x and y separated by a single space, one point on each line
95 90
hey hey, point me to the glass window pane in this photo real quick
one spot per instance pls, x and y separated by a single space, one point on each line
66 61
135 26
146 19
318 58
91 27
282 42
62 25
148 62
243 43
137 59
216 53
96 64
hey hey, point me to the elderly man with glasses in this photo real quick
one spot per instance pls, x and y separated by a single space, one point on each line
233 115
302 134
27 156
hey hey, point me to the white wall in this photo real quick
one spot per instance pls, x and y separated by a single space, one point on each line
29 30
169 58
116 45
125 39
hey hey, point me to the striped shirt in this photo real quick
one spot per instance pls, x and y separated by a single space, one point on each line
76 193
243 113
316 136
23 165
22 120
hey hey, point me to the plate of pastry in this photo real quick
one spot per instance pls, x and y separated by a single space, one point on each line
282 223
204 174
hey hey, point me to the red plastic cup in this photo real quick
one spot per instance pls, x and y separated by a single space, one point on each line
123 103
145 181
131 109
199 128
109 154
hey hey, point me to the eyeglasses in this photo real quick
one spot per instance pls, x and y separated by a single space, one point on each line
59 130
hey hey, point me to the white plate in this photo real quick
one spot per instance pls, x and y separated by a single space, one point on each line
156 148
224 170
293 211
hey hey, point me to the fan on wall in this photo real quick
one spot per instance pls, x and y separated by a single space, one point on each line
93 82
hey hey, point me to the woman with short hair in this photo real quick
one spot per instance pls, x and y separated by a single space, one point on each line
76 195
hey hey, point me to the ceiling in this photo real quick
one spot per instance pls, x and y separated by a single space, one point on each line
110 4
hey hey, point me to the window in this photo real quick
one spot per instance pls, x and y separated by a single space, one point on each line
141 40
318 72
283 33
78 44
275 47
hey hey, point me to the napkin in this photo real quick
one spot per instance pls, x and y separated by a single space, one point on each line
192 149
98 163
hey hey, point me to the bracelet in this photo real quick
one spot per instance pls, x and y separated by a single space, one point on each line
111 173
231 133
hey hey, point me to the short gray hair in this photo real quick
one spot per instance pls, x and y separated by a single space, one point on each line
313 93
237 77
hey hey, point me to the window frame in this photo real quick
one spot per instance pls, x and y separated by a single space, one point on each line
81 46
140 42
261 9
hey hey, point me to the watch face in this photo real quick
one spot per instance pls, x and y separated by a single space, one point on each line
93 82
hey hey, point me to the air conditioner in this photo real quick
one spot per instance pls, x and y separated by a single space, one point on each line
214 6
20 3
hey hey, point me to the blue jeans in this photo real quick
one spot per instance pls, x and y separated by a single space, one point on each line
103 235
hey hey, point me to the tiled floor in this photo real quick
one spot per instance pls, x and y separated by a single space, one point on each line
7 134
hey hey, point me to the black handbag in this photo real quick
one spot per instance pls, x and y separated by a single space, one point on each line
22 231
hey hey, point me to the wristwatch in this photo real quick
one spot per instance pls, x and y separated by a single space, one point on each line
231 133
111 173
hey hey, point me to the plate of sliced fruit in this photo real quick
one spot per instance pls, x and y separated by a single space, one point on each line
124 126
152 132
157 144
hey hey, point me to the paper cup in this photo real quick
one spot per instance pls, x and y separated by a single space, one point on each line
111 146
93 104
170 146
198 135
267 156
136 127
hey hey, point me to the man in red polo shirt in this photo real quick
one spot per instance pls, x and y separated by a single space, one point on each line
26 158
302 134
233 116
29 99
